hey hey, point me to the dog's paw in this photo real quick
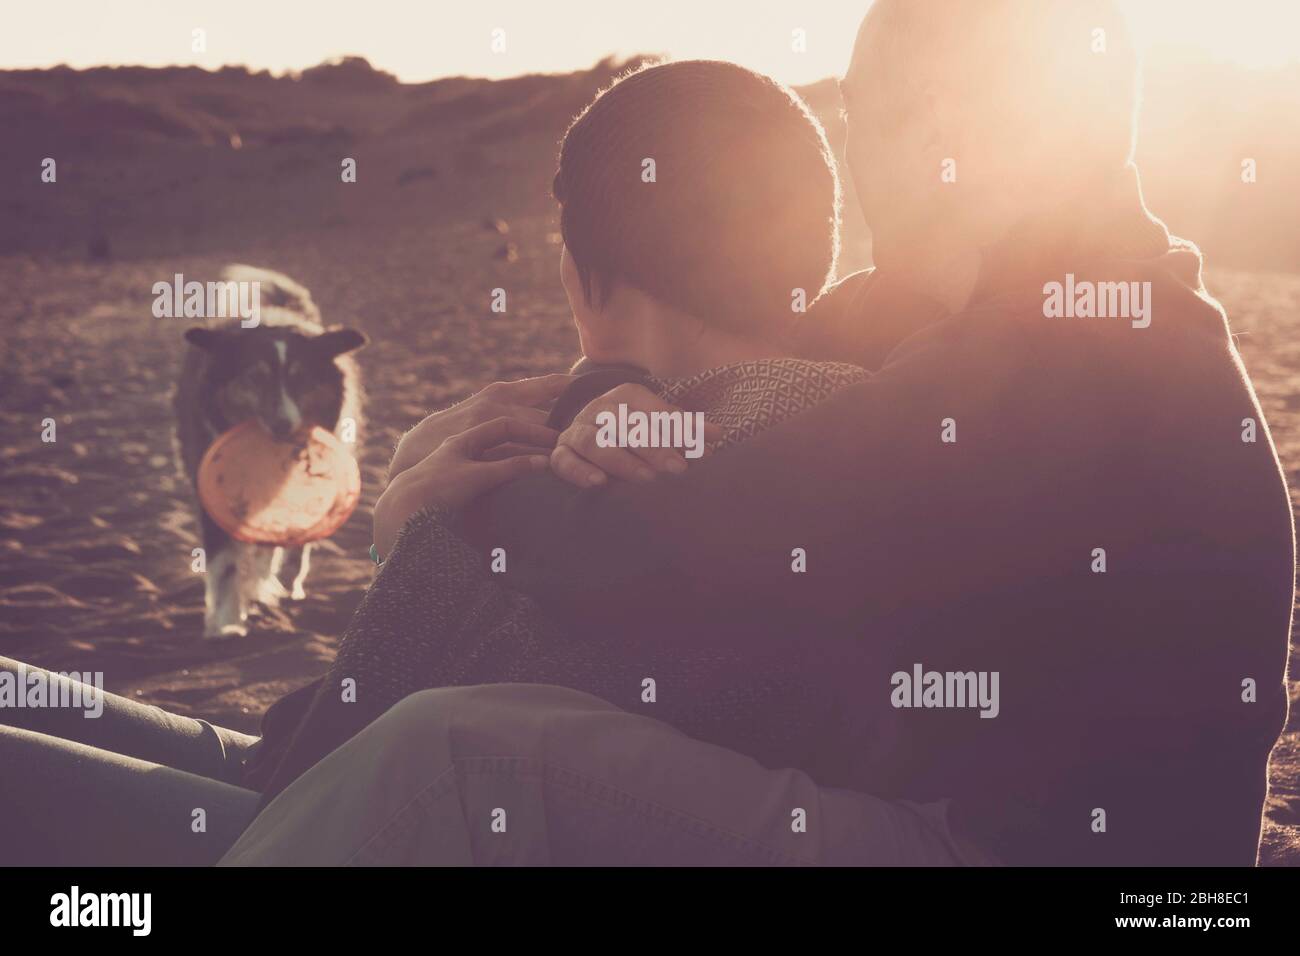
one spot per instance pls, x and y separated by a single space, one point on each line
229 619
216 629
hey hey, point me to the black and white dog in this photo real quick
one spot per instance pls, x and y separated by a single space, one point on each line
288 373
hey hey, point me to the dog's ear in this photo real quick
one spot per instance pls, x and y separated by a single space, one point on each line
207 339
338 342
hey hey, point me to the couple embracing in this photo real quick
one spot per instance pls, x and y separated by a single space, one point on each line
927 470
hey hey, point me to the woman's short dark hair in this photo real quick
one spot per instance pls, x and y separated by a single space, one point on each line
742 208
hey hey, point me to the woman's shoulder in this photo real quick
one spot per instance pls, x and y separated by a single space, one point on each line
800 378
748 397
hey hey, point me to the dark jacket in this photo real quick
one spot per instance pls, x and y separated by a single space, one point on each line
1120 691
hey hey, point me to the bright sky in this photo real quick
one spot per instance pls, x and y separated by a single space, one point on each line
424 39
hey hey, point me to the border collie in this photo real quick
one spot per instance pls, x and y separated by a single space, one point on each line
288 373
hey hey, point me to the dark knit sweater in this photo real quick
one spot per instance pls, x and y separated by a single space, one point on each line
436 616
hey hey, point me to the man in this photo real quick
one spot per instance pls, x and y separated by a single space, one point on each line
1059 482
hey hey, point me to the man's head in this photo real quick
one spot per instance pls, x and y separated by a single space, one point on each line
706 187
965 116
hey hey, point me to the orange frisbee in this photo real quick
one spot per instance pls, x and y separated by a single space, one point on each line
284 493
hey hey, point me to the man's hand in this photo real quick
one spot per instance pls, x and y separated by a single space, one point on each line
525 401
462 468
579 460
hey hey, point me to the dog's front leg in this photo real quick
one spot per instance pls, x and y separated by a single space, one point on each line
225 606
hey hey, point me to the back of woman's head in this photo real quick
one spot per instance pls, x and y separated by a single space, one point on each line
705 185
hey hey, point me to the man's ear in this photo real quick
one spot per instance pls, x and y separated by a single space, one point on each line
337 342
207 339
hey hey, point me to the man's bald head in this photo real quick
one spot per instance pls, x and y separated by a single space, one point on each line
1034 94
